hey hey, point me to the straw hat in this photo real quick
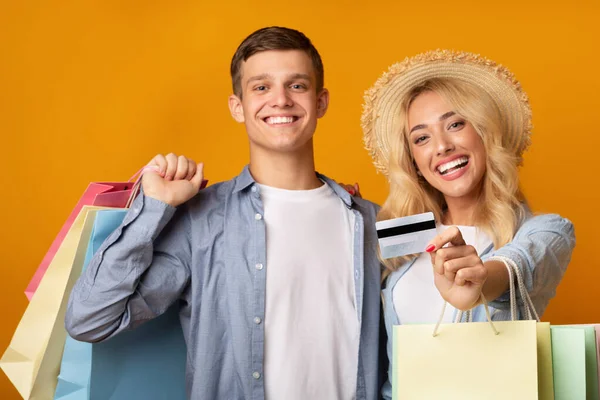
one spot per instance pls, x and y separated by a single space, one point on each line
382 101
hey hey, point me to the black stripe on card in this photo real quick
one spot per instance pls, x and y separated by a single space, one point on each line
404 229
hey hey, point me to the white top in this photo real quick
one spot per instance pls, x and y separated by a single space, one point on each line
311 322
416 299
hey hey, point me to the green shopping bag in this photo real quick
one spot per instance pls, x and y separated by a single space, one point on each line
575 359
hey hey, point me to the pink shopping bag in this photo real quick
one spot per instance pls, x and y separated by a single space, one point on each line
101 194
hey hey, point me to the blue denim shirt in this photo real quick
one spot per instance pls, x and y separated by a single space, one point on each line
541 248
209 254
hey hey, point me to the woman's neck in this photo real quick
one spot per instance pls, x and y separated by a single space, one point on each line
460 210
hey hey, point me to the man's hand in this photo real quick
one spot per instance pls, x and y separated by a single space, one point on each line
171 179
352 189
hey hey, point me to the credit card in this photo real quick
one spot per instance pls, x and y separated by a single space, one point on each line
406 235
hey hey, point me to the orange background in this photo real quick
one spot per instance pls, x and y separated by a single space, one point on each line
91 90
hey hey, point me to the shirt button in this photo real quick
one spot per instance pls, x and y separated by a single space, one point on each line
258 266
258 217
257 320
254 189
256 375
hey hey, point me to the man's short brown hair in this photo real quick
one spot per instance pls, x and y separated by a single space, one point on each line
274 38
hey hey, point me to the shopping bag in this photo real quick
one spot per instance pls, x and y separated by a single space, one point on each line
466 361
597 330
575 354
544 341
147 362
544 362
102 194
74 378
475 360
33 357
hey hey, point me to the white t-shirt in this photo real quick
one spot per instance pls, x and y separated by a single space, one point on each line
416 299
311 322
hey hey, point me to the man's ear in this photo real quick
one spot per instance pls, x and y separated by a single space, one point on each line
236 108
322 102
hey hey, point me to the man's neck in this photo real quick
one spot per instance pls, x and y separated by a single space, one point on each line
291 171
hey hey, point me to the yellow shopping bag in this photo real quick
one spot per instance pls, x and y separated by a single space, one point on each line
466 361
32 360
479 360
544 362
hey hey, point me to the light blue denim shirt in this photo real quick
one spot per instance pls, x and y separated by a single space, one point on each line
541 248
209 254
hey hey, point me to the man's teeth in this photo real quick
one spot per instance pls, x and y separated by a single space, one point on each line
454 163
279 120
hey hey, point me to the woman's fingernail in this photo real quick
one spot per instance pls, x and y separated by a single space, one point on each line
430 248
352 192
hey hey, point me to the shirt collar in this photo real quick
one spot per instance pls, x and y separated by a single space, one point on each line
245 180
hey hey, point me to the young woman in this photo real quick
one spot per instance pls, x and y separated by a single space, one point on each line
449 130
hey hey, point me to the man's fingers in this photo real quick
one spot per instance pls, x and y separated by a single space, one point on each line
192 167
172 167
198 176
172 162
182 168
348 188
160 162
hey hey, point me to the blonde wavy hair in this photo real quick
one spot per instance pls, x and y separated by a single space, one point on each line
500 208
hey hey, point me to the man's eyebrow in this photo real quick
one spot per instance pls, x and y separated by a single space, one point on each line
442 117
259 77
300 76
268 76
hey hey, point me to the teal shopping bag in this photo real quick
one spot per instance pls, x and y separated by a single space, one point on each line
147 362
75 368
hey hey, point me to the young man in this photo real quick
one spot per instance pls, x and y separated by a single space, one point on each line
275 270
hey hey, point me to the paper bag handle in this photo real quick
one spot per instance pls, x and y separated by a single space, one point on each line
138 183
487 314
528 307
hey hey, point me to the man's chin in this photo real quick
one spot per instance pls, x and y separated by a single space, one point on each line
281 147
